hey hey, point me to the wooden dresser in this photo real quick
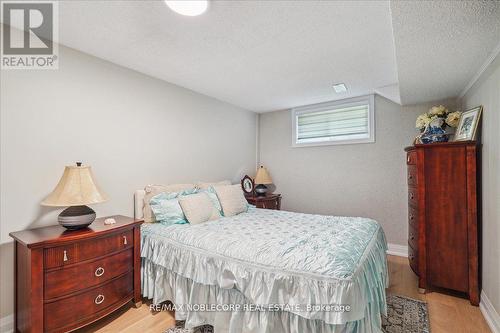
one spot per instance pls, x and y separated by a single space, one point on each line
269 201
443 220
68 279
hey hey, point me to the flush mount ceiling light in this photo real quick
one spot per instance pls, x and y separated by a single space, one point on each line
188 7
339 88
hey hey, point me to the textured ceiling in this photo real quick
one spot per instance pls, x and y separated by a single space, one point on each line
441 45
260 55
270 55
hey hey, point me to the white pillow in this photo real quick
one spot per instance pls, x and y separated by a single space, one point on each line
198 208
231 199
206 185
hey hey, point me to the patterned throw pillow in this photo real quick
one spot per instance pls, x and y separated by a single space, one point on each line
232 199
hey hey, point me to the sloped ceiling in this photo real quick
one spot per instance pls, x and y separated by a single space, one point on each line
271 55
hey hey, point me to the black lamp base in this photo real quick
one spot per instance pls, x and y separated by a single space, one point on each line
261 190
76 217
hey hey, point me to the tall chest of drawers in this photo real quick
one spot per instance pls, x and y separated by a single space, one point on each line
68 279
443 220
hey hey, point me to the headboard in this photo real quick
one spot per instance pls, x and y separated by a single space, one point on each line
139 204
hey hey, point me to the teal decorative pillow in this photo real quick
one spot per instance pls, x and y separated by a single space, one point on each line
166 208
213 197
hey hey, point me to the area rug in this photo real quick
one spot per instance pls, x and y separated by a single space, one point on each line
404 315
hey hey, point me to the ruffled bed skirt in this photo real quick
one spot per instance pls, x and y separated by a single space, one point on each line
160 284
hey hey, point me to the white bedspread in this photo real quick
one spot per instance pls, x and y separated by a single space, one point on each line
267 257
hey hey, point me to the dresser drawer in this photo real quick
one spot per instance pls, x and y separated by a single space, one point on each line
413 216
267 204
87 305
270 201
413 235
411 158
412 197
412 175
413 259
413 227
66 280
84 250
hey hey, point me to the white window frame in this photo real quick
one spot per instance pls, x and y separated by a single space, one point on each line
343 103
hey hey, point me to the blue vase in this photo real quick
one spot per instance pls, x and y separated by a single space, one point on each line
434 134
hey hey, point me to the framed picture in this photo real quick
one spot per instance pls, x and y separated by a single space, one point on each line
247 185
467 126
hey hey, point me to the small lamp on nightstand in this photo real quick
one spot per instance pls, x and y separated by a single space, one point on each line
76 189
261 180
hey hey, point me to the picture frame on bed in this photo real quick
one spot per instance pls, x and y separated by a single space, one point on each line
247 184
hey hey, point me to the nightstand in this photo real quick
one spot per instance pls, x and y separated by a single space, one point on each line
68 279
269 201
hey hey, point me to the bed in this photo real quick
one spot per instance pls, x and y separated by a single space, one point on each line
268 271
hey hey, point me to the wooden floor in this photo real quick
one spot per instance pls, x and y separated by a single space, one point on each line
446 313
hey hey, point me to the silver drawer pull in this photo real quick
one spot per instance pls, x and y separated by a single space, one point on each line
124 240
65 257
99 271
99 299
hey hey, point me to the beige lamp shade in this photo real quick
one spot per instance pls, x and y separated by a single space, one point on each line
76 187
263 177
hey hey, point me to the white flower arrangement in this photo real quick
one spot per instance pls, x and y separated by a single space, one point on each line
423 120
439 110
449 118
453 118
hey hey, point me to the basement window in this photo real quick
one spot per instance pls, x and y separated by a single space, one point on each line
347 121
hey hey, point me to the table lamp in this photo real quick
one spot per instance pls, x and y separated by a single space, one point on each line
261 180
76 189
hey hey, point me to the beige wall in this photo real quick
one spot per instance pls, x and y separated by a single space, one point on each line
133 130
359 179
486 92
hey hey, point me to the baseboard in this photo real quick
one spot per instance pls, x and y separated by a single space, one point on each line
397 250
490 314
7 324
